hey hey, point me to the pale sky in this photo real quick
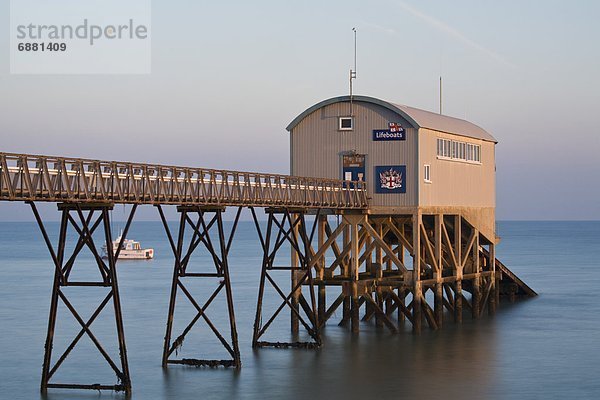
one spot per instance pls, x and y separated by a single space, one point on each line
227 78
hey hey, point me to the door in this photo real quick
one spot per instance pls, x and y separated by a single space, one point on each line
353 167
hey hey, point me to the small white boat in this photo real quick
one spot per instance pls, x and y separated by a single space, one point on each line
130 250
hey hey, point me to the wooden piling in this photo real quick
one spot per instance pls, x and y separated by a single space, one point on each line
295 323
438 304
417 288
353 220
493 296
322 288
458 301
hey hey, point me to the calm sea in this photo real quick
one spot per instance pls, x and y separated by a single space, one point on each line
547 347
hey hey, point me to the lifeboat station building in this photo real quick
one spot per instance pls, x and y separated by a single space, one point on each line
409 158
426 245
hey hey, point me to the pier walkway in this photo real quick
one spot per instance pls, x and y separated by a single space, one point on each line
56 179
413 267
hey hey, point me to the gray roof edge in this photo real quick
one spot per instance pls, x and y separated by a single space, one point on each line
484 135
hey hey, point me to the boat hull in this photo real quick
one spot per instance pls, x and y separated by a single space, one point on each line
144 254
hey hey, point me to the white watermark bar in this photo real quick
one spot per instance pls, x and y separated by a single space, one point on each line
80 37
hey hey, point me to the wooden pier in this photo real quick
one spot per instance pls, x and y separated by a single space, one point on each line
425 268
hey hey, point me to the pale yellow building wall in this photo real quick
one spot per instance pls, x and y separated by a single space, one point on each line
467 187
453 182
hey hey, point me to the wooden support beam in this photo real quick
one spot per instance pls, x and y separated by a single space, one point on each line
384 246
399 302
429 315
448 305
495 292
378 311
417 290
476 295
334 245
336 304
321 296
380 303
449 294
470 243
466 302
353 223
323 249
458 301
438 304
400 234
486 296
369 311
354 314
295 323
450 247
428 249
458 241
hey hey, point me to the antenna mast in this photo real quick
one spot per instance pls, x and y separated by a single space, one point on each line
440 95
353 73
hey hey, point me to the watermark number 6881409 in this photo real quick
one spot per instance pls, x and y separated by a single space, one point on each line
80 37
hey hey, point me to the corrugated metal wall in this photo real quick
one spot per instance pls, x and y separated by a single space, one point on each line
317 147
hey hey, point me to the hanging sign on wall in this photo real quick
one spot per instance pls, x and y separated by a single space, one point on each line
395 131
390 179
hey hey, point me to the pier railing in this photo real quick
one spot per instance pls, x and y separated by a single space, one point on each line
26 177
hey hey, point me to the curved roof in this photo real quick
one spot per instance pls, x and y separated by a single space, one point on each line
417 117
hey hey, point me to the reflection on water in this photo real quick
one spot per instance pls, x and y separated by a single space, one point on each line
377 363
541 348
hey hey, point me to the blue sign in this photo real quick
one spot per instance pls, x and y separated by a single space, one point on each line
395 131
390 179
386 134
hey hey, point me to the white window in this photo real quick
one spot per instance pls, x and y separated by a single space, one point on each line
444 147
346 123
458 150
427 173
